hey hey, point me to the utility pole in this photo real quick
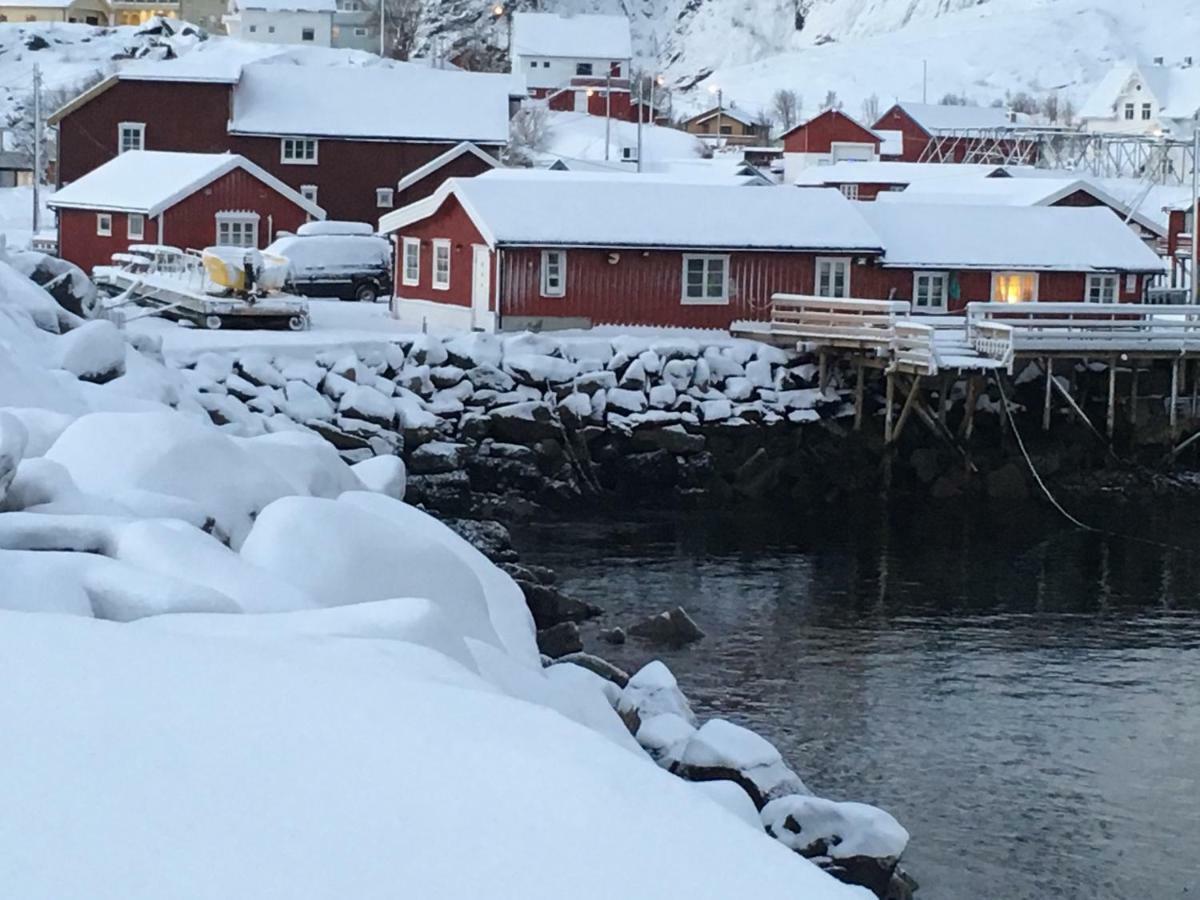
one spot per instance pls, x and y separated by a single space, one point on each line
607 113
641 112
924 81
1195 285
37 148
720 109
382 29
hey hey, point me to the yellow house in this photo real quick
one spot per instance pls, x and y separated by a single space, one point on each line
89 12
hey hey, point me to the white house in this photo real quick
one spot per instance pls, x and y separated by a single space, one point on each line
556 53
282 21
1136 99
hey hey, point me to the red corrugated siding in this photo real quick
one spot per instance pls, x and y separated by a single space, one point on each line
79 243
645 287
452 223
191 223
819 134
915 137
194 117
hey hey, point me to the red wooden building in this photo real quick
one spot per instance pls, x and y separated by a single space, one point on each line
966 132
828 138
514 250
526 249
189 200
323 130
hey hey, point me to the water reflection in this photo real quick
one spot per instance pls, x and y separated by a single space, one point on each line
1023 696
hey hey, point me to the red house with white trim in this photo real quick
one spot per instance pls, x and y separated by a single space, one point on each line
965 133
828 138
512 250
189 200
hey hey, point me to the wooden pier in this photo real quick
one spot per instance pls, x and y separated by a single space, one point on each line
990 341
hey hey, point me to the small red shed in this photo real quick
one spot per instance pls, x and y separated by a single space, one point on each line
189 200
966 133
828 138
518 249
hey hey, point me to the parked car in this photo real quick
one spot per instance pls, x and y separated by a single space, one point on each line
346 260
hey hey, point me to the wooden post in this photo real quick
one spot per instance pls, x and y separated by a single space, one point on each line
944 398
887 417
1048 365
913 391
1195 386
1172 412
968 422
822 369
858 395
1112 396
1133 395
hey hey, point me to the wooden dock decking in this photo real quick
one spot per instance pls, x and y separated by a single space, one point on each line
989 340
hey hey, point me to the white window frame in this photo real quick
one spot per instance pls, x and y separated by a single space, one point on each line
580 66
1147 112
410 245
943 304
242 220
138 128
104 224
557 287
309 192
295 142
311 32
998 275
833 262
360 32
1130 112
1100 281
707 260
385 197
439 245
140 233
849 191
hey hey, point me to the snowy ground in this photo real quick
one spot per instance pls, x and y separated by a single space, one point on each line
16 215
237 666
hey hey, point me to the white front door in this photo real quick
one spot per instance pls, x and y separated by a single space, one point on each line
481 283
581 104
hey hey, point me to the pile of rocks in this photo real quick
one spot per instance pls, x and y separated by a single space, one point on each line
529 419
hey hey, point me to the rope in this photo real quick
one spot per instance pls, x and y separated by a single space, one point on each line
1049 496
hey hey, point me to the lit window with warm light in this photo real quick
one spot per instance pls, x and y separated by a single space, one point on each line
1014 287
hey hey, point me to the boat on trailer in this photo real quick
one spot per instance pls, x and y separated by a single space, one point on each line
220 287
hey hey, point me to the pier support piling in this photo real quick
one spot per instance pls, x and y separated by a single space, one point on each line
889 413
1048 365
1112 397
858 395
1173 409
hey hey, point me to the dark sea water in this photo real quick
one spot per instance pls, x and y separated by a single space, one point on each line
1024 697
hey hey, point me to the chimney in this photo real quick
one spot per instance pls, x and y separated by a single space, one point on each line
1158 60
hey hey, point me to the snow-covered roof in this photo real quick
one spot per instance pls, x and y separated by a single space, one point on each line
973 190
588 171
577 36
150 181
288 5
442 159
1175 89
726 112
215 61
849 172
636 212
934 117
405 102
573 136
36 4
1067 239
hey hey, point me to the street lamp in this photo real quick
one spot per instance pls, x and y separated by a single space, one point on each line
500 11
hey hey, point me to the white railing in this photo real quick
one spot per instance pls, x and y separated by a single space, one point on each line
826 322
1084 327
993 340
913 349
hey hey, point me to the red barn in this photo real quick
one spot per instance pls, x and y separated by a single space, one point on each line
341 135
942 257
966 132
828 138
190 200
534 249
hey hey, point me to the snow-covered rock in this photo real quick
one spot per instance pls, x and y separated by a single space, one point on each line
382 474
653 691
722 750
813 826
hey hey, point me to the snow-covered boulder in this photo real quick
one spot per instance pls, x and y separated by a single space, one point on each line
653 691
367 403
722 750
732 798
537 369
95 351
664 737
304 402
382 474
626 401
13 438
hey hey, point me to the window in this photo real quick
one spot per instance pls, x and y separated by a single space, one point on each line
1101 289
931 291
706 279
299 151
726 129
307 34
360 32
583 68
135 226
309 192
554 273
270 29
833 276
546 64
1129 111
533 64
252 28
237 230
411 271
104 224
614 69
1014 287
384 197
849 191
131 136
441 265
627 153
1147 112
92 20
